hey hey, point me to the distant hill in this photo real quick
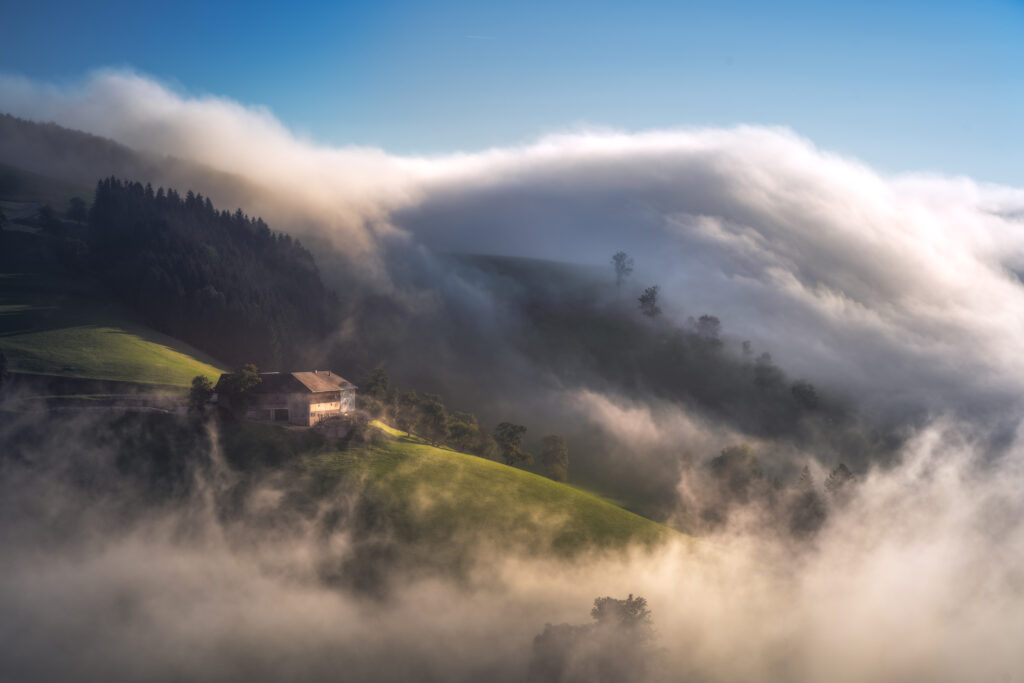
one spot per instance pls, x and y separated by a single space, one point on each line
80 159
19 186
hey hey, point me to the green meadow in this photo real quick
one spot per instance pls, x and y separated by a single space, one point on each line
435 495
48 327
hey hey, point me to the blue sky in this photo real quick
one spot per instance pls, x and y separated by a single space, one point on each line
904 86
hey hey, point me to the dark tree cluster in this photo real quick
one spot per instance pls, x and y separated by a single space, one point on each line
509 437
554 456
688 363
222 281
199 394
424 415
618 646
623 264
649 302
799 508
233 390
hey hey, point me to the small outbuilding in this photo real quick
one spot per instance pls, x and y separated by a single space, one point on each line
300 398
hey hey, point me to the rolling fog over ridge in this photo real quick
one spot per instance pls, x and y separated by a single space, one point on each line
897 296
901 289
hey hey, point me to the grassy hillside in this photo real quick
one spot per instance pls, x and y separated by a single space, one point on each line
55 320
53 326
435 496
123 353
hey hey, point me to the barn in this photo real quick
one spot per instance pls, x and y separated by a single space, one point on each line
300 398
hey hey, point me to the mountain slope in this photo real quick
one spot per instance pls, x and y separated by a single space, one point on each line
79 159
435 497
19 186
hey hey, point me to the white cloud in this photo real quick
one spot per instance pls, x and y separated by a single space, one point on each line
897 287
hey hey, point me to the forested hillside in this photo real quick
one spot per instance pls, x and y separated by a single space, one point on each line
223 282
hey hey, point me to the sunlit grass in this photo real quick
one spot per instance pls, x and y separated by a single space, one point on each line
100 352
53 326
438 495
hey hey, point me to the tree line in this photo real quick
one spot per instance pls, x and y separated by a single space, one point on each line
426 416
688 361
412 412
223 282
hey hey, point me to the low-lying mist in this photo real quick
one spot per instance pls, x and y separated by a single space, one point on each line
914 576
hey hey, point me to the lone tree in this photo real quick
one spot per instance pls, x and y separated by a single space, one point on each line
407 410
649 302
631 613
376 394
236 386
623 263
509 438
376 383
554 455
463 431
465 434
433 419
200 393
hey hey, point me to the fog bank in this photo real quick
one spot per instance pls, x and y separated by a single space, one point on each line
914 577
904 290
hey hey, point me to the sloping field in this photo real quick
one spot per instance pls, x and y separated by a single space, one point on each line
101 352
51 328
435 495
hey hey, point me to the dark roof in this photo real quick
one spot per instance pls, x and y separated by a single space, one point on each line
313 382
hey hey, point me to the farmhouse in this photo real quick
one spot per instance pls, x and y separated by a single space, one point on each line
300 398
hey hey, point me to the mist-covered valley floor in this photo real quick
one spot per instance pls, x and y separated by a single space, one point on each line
126 559
823 413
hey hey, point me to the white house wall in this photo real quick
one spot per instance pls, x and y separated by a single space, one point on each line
337 404
303 409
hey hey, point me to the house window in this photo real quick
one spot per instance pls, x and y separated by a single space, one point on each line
280 415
